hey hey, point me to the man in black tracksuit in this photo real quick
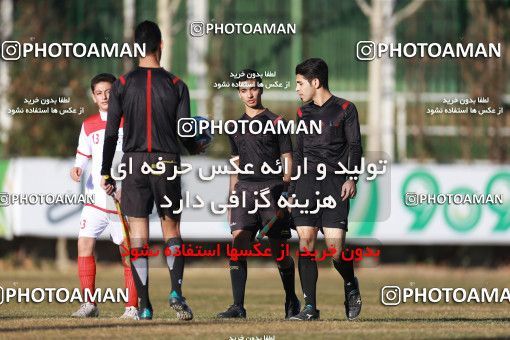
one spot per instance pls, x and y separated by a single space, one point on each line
257 149
339 141
151 100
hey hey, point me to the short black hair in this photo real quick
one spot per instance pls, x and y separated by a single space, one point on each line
110 78
148 33
244 78
314 68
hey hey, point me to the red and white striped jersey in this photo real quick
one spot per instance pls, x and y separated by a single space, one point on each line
90 147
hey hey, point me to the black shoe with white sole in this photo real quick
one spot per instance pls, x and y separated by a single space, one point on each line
309 313
352 300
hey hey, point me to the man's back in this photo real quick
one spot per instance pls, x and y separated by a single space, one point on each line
152 101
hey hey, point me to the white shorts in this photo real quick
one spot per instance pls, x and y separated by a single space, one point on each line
94 221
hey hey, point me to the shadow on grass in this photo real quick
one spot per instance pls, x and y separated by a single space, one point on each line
115 324
432 320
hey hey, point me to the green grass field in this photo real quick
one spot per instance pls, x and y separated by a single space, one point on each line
208 291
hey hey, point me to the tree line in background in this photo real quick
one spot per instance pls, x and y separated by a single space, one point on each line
56 136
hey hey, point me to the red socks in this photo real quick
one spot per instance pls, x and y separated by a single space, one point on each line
130 285
87 274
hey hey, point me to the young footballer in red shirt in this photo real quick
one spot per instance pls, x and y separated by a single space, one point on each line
95 218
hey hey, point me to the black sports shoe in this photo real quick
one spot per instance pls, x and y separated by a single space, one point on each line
179 305
307 314
234 311
352 300
292 307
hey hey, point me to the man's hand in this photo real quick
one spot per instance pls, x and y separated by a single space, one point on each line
285 193
348 190
290 199
200 147
108 184
117 195
76 173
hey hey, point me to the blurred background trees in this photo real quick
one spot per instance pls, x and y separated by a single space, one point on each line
332 35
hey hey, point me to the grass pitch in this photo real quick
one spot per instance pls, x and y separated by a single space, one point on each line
208 292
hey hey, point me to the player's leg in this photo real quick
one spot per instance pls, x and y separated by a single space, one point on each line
172 234
308 272
92 224
241 240
307 228
117 236
137 203
243 227
278 236
164 190
131 307
139 235
87 276
335 224
87 263
335 237
287 272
